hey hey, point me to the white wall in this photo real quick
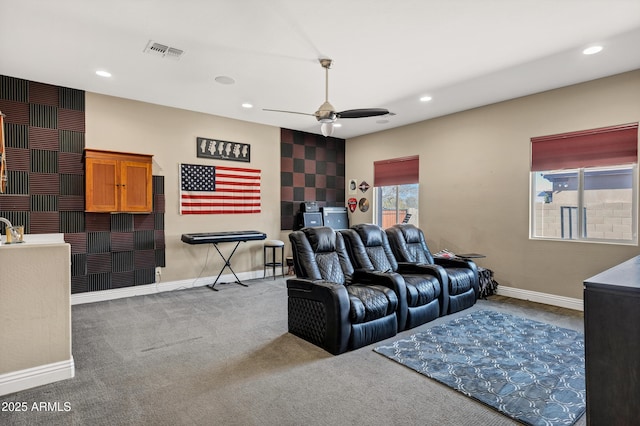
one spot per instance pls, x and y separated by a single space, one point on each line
474 180
474 173
169 134
35 315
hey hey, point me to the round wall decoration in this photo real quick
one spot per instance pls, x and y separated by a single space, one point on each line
363 204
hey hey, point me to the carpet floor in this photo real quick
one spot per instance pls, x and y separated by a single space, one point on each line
199 357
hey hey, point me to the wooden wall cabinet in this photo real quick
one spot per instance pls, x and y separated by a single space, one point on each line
118 182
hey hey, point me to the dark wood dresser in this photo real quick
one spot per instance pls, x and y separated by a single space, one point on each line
612 345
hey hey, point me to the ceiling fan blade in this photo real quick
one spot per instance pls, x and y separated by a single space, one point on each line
361 113
326 113
288 112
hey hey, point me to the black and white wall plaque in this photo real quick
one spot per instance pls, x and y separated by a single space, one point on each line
223 150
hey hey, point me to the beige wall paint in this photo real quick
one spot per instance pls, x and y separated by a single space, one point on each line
473 171
474 180
169 134
35 313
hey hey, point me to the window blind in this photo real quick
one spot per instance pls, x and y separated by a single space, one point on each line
396 171
606 146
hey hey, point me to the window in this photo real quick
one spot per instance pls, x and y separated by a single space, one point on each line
396 204
396 191
569 222
584 185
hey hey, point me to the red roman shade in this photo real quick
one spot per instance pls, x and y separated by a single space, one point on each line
396 171
606 146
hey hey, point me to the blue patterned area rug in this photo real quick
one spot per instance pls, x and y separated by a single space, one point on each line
530 371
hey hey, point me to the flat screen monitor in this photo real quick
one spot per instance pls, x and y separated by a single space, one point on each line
306 220
335 217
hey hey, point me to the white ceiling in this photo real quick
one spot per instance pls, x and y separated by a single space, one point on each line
387 54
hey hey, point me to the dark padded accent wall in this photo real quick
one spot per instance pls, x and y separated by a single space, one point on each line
45 127
312 168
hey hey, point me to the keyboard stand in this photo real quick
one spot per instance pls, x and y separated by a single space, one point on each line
227 264
216 238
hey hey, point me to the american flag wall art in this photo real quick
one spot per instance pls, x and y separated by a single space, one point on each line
218 189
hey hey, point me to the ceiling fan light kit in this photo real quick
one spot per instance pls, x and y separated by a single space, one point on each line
326 129
326 113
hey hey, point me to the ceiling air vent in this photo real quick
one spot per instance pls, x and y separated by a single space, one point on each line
163 51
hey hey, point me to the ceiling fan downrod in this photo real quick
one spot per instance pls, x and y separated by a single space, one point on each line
326 113
326 64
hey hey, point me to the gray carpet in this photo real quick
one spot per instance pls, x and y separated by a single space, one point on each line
199 357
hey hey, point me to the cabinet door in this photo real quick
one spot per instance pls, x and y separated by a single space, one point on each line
612 361
101 185
136 186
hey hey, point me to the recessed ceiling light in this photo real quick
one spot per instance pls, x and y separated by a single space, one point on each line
247 105
223 79
592 50
103 73
337 125
425 98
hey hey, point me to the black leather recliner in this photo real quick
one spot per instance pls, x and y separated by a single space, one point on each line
408 245
332 305
426 285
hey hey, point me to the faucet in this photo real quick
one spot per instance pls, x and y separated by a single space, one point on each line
8 226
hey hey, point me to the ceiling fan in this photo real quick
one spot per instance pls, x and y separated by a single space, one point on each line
327 114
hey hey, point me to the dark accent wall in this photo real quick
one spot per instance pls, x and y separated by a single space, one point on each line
45 140
312 168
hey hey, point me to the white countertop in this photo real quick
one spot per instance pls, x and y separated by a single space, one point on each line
35 239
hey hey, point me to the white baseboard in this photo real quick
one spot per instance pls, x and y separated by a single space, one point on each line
101 296
36 376
548 299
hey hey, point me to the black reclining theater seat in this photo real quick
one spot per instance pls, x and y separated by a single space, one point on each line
408 244
426 285
330 304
